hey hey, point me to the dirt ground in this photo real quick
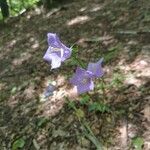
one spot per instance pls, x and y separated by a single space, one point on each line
117 30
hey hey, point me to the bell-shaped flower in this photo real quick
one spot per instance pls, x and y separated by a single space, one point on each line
49 90
82 79
57 52
96 68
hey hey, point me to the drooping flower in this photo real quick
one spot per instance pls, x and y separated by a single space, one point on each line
57 52
96 68
49 90
82 79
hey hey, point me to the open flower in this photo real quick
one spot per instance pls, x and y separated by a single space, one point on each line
82 79
57 52
96 68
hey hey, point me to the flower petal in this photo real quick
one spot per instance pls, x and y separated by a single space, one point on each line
57 52
83 80
96 68
53 40
55 61
82 88
78 76
47 55
66 53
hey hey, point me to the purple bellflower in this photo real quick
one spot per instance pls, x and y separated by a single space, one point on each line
96 68
57 52
49 90
82 79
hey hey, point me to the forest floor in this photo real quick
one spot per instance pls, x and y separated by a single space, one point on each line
119 31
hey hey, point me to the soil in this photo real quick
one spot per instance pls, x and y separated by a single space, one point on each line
117 30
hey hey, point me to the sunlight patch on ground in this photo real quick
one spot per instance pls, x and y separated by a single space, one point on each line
38 11
33 42
147 145
29 92
139 69
12 43
82 9
51 105
123 134
132 79
14 99
28 16
19 96
2 85
146 111
132 130
8 48
127 131
53 11
78 20
18 61
55 103
60 80
35 45
92 8
96 8
106 39
132 42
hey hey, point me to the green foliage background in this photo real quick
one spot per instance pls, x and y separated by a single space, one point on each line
18 6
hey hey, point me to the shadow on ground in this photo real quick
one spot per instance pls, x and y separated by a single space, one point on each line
116 30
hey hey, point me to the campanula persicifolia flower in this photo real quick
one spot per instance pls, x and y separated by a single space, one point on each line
49 90
96 68
57 52
82 79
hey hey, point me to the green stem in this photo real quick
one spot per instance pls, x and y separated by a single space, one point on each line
103 88
79 62
87 131
90 135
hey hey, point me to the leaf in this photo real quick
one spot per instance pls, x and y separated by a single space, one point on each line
112 49
84 100
74 50
138 143
132 32
93 106
41 122
59 132
71 104
74 61
14 89
90 135
36 144
18 144
101 107
80 113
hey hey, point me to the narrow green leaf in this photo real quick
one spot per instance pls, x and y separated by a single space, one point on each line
84 100
138 143
18 144
93 107
71 104
80 113
41 122
36 144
